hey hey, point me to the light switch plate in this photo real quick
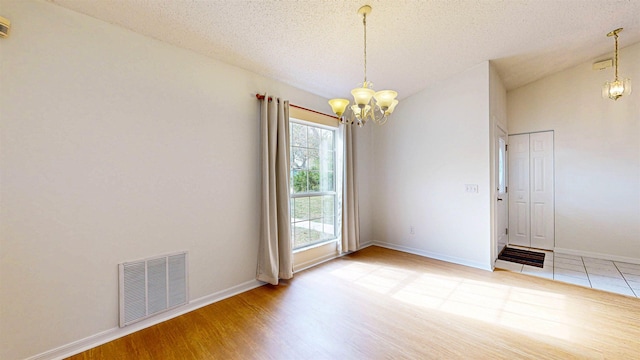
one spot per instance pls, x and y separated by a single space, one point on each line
471 188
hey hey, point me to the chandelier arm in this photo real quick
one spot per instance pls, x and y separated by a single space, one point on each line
349 116
383 120
379 117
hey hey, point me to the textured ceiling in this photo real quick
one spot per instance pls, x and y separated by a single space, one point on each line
317 45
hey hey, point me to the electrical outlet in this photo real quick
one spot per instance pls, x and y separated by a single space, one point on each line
412 230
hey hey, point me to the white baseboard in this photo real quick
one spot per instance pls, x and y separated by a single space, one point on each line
597 255
435 256
328 257
115 333
365 245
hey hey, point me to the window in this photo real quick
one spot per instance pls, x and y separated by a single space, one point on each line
502 175
313 183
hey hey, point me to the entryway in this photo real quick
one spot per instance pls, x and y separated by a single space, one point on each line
612 276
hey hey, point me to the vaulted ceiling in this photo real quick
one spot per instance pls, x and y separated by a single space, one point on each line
317 45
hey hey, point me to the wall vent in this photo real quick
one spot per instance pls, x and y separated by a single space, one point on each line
151 286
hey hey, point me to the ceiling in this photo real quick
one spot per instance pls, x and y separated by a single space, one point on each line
317 45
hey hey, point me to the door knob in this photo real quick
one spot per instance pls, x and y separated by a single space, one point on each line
499 199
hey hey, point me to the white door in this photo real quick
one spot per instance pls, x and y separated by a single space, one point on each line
542 204
519 218
501 191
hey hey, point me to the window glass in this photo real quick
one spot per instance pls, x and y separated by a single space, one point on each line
313 190
502 179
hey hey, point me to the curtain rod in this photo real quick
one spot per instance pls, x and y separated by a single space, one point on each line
260 97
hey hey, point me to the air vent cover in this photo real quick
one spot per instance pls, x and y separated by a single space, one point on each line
152 286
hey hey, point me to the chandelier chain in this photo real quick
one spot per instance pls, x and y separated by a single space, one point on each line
616 55
364 22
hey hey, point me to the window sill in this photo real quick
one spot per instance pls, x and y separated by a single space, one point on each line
317 245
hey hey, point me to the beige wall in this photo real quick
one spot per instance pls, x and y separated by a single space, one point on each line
437 141
597 155
364 147
117 147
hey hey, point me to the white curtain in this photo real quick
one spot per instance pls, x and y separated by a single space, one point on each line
275 253
350 215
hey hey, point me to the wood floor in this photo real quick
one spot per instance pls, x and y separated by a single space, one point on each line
384 304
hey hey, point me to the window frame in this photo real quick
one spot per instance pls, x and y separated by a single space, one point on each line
309 194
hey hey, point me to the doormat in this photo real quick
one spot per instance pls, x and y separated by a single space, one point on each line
525 257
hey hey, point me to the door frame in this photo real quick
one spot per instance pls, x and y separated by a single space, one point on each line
500 133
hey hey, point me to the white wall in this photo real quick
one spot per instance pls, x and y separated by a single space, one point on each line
436 142
117 147
597 154
497 100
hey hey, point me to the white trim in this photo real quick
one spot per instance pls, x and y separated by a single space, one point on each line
435 256
316 245
597 255
318 118
328 257
532 132
499 125
103 337
313 262
312 193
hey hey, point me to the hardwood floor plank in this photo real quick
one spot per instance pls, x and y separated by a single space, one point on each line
383 304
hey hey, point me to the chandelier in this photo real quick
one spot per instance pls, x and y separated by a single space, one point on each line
616 88
368 104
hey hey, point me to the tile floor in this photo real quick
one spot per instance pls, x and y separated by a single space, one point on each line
613 276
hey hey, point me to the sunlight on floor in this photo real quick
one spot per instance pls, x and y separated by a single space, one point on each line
519 308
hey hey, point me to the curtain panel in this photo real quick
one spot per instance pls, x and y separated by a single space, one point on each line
350 213
275 252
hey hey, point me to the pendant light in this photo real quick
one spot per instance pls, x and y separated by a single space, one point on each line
367 103
616 88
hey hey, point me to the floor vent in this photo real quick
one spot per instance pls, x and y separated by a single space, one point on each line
151 286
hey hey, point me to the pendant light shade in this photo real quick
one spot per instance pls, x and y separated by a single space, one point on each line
339 106
385 98
362 96
615 89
